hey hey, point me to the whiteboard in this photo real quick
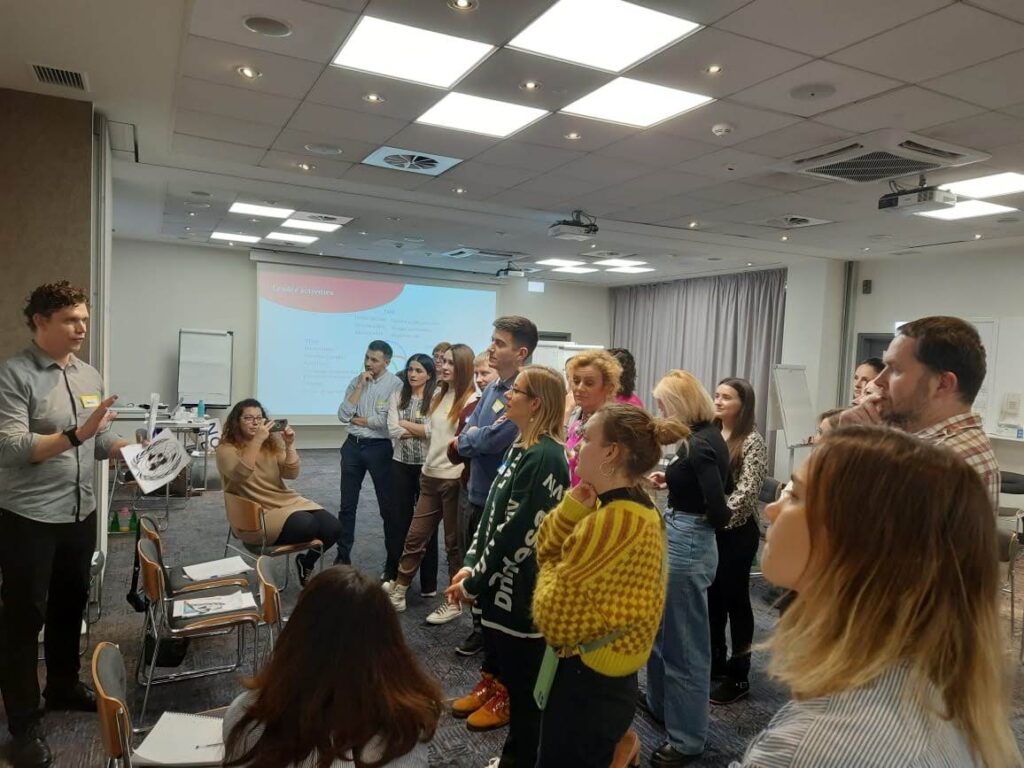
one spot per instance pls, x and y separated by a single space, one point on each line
792 396
557 353
204 367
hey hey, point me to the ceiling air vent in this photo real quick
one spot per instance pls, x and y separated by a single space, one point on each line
411 161
63 78
877 156
790 221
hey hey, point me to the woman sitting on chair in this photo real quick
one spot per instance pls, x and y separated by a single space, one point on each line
341 689
254 460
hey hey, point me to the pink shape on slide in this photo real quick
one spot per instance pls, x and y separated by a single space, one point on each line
313 293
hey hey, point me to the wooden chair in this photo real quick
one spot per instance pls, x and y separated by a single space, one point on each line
175 580
111 683
247 520
270 602
163 625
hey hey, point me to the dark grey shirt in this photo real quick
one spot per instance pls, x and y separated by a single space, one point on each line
38 398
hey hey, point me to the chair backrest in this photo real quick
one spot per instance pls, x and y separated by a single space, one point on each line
770 491
270 596
149 529
152 573
1007 541
244 516
111 683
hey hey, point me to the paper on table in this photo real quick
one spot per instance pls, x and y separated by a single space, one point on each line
229 566
206 606
155 465
182 739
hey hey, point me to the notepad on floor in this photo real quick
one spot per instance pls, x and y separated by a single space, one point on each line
207 606
229 566
182 739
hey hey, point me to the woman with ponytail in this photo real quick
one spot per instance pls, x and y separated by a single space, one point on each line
601 587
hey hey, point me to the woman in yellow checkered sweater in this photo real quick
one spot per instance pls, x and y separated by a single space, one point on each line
601 586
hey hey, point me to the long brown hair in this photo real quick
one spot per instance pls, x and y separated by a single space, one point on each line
903 570
340 677
462 385
744 420
233 426
547 385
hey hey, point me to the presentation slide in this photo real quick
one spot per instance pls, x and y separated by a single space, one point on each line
314 326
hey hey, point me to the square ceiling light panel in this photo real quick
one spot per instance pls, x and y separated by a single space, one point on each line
988 186
603 34
312 226
633 102
475 114
409 53
968 209
268 211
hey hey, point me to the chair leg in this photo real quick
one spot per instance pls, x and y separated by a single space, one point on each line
149 680
227 542
287 570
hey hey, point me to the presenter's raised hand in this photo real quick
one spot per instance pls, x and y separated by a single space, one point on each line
263 431
289 436
98 420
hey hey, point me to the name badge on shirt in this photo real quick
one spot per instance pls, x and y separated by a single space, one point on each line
381 405
498 405
90 401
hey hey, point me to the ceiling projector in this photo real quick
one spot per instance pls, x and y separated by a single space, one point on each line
918 200
581 226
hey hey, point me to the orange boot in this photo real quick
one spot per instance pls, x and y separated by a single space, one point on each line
493 714
476 698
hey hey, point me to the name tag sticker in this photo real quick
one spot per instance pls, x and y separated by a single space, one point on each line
498 405
90 401
382 405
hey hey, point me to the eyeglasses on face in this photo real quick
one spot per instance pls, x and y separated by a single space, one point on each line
523 392
251 419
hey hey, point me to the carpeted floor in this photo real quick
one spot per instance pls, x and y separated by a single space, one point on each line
197 533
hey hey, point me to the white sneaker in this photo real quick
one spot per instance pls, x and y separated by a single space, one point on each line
494 762
444 613
387 586
397 596
429 594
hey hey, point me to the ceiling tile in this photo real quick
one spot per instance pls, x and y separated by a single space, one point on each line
994 84
701 11
784 182
317 31
561 83
947 40
656 148
985 131
674 207
345 123
532 156
218 150
802 136
1017 110
744 62
1010 8
284 161
594 167
294 143
557 185
525 199
444 187
441 141
594 134
822 26
494 22
746 123
727 164
733 192
355 6
345 88
384 177
909 108
218 61
850 85
654 186
474 173
221 128
239 103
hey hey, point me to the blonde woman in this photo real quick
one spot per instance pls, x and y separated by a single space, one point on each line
892 648
501 566
594 377
698 481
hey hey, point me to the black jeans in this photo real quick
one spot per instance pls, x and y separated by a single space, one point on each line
45 570
587 714
308 525
407 493
360 455
729 599
519 662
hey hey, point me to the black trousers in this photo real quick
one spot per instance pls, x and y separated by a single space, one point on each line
587 714
407 493
359 456
729 600
307 525
519 662
45 569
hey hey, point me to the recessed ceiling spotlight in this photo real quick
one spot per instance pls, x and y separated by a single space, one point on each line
261 210
374 98
263 25
593 245
784 238
459 190
693 225
388 218
713 69
866 249
231 236
249 73
231 244
306 166
530 85
323 149
362 233
254 220
463 5
188 229
191 213
574 135
977 236
750 263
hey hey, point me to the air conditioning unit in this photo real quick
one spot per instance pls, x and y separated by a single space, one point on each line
877 156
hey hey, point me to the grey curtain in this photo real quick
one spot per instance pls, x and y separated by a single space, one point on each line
713 327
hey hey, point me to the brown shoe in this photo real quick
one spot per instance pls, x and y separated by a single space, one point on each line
493 714
476 698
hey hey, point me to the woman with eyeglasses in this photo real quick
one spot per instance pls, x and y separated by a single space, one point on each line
254 459
501 565
892 648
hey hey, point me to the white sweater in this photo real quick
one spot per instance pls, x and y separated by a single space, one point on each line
440 432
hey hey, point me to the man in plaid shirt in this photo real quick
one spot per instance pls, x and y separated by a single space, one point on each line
933 371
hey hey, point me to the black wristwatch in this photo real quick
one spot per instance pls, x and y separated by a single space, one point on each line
69 433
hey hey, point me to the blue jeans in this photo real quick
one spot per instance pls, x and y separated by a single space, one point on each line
359 456
679 670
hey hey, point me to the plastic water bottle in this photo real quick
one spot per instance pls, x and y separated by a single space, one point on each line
201 409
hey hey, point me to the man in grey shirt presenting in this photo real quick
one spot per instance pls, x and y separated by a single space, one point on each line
54 426
368 447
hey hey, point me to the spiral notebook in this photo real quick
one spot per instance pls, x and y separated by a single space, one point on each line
182 739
